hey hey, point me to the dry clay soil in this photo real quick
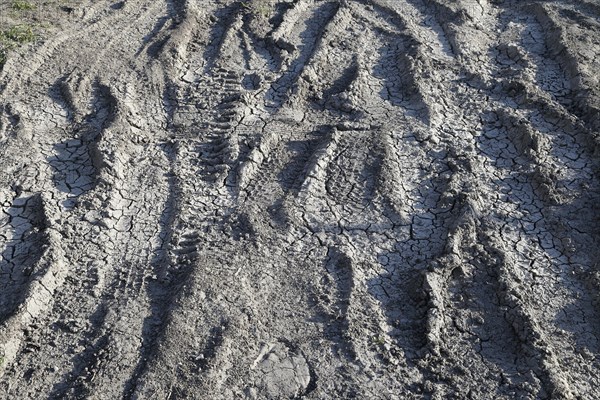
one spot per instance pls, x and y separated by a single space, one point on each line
313 199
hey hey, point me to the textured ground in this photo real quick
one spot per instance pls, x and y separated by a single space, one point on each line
314 199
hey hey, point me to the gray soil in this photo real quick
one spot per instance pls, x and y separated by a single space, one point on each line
320 199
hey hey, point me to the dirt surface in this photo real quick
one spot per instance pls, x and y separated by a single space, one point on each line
302 199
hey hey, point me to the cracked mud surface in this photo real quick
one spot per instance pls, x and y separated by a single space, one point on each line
303 199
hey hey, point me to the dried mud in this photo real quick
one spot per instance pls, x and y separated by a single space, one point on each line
303 199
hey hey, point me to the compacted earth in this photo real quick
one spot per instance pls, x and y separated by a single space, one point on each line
320 199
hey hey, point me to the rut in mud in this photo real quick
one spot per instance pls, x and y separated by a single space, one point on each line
303 199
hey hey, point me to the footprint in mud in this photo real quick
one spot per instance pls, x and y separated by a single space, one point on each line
283 373
74 172
24 224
